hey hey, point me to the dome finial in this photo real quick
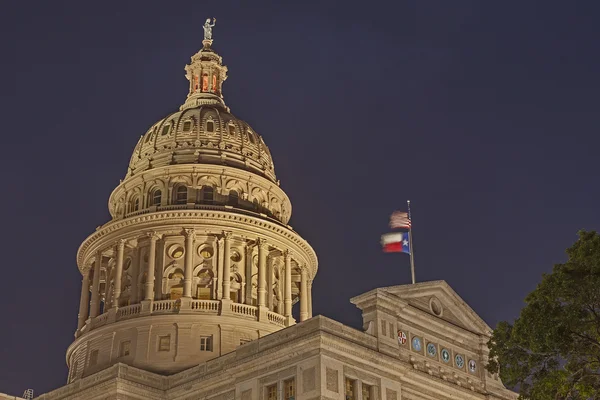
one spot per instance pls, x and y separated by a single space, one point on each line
208 32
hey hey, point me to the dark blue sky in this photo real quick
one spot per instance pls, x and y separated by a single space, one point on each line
483 113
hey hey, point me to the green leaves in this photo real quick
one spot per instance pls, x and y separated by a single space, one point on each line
552 351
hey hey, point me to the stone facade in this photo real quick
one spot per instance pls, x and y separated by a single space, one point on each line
187 292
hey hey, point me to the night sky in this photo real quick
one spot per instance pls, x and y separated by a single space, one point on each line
483 113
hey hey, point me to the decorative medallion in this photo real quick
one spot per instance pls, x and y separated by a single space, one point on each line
472 366
431 349
459 361
416 344
445 355
401 338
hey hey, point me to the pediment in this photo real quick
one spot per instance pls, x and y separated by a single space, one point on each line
440 300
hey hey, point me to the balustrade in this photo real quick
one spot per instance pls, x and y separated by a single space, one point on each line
276 318
128 311
163 305
210 306
244 309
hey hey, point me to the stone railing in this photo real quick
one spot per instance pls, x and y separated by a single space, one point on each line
208 306
128 311
163 305
275 318
213 307
244 310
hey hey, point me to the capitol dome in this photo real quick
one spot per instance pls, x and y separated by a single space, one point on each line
197 258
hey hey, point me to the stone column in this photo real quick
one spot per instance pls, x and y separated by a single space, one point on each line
303 294
248 261
95 303
288 285
149 295
270 272
135 275
262 267
190 237
84 300
118 273
227 266
309 286
219 277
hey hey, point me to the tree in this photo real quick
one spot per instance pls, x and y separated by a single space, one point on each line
552 351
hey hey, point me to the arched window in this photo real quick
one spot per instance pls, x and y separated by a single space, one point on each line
214 83
255 203
181 195
134 204
156 198
205 83
210 126
208 194
187 126
196 84
234 198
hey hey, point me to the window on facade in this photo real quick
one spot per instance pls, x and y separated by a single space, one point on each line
206 343
232 129
93 358
367 390
156 197
349 384
207 195
214 83
136 204
289 389
164 343
234 198
196 84
124 348
272 392
181 195
205 83
166 129
187 126
250 136
210 126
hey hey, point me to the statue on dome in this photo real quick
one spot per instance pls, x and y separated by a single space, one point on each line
208 28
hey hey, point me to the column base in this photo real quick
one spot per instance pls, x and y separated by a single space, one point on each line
262 314
112 315
146 307
225 307
289 321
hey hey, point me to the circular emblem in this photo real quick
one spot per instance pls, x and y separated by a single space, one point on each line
472 366
401 338
431 350
416 344
459 360
445 355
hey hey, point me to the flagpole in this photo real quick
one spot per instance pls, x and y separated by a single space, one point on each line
412 247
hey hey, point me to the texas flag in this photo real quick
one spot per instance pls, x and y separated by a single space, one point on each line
395 242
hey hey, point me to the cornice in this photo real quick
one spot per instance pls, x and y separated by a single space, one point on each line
131 228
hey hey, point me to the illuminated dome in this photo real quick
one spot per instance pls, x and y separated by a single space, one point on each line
203 131
198 258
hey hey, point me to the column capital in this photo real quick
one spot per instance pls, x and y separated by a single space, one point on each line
288 255
190 232
262 243
153 236
303 269
121 243
227 235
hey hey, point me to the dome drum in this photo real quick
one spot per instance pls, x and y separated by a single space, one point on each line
198 186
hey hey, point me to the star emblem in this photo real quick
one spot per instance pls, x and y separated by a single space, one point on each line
405 242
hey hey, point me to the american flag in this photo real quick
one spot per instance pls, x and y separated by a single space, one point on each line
400 219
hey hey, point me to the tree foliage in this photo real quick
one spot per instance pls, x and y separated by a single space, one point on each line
552 351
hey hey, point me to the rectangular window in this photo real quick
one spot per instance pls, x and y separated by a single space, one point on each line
349 384
124 348
93 358
391 330
164 343
272 392
210 126
187 126
206 343
166 129
383 326
367 391
289 389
